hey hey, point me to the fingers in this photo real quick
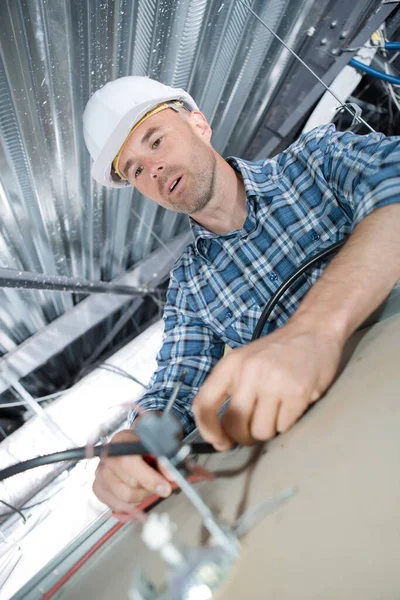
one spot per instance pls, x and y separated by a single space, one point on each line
122 482
271 382
289 413
209 400
110 490
265 417
121 490
237 419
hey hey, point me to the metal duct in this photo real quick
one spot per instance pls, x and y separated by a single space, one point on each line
101 399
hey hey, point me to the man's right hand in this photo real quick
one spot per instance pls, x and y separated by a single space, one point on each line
121 482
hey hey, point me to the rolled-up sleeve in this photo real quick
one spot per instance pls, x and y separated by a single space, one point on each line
362 170
188 347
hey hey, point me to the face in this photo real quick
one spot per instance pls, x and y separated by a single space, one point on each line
170 160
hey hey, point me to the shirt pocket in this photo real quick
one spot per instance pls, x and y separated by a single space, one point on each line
308 244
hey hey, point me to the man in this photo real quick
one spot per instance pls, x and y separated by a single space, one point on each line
253 225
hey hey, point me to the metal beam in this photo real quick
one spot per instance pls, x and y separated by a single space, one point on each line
290 124
56 336
26 280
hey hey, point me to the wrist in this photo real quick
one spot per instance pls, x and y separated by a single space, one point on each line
333 326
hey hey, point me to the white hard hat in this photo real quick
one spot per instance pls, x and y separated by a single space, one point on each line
111 113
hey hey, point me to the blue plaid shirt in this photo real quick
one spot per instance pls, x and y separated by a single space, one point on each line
299 202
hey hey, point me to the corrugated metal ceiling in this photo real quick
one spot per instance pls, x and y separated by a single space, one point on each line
53 55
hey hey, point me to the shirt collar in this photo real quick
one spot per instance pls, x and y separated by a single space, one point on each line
254 178
254 174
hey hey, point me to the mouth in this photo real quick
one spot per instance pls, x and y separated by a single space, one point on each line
173 185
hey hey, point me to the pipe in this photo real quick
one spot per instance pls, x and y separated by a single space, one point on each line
12 278
392 45
374 72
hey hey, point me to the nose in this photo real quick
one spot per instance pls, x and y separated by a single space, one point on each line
156 169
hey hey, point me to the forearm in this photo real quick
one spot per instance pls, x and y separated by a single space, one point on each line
358 279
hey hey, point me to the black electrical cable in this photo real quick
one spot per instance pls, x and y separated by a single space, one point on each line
83 453
286 284
14 509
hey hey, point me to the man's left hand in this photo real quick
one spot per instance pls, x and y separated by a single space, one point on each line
271 383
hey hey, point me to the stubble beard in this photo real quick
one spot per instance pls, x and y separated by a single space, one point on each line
201 190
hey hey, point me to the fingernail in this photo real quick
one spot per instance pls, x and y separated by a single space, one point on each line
162 490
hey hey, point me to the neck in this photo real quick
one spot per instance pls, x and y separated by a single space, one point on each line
226 210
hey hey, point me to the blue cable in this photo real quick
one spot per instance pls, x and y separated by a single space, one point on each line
392 45
374 72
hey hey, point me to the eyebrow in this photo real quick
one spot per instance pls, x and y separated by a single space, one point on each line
125 169
149 133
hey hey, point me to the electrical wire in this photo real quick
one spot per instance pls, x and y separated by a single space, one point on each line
118 371
392 45
121 322
153 233
374 72
328 89
286 284
86 452
105 366
388 86
9 514
158 301
41 399
393 58
14 509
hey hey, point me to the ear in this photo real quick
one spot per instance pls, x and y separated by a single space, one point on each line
200 125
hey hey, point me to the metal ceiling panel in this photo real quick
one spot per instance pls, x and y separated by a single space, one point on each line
55 53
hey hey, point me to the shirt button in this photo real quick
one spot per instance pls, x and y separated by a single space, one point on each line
203 247
316 236
273 276
228 314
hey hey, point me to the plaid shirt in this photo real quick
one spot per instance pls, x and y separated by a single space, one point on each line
299 202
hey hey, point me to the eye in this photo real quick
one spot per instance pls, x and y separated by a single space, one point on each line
138 171
156 143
